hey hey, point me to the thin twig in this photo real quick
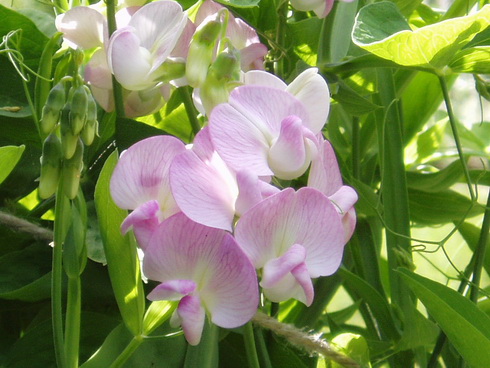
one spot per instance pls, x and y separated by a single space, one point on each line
310 343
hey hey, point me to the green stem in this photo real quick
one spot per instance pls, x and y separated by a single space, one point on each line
72 328
265 361
57 277
252 357
480 253
454 129
191 111
116 87
356 148
205 354
127 352
282 12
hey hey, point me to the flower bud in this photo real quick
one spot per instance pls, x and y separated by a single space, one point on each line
171 69
219 81
51 110
72 169
91 125
200 53
78 111
68 139
50 166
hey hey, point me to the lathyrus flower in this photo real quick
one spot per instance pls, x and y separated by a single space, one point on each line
265 130
140 182
320 7
205 270
292 237
208 191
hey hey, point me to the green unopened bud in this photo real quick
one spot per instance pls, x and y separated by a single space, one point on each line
68 139
223 76
91 125
72 169
51 110
50 166
171 70
78 111
200 53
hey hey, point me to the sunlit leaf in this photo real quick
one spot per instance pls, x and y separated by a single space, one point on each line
474 60
432 46
437 181
467 327
120 251
9 156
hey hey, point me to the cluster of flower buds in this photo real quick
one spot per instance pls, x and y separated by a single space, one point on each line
69 113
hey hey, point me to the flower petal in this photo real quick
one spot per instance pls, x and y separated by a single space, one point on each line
251 190
261 78
144 220
305 217
324 172
276 268
311 89
82 26
227 282
141 174
172 290
192 318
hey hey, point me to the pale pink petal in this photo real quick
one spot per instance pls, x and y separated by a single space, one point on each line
203 192
181 49
344 198
311 89
97 72
172 290
82 26
251 190
275 269
207 8
226 280
261 78
129 61
288 156
158 26
244 129
324 172
141 174
305 217
192 318
302 276
144 220
123 16
145 102
104 97
252 56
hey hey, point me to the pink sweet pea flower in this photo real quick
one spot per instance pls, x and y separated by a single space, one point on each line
264 130
136 52
325 176
293 237
206 271
140 182
208 191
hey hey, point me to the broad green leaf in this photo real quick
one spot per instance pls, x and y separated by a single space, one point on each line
467 327
407 6
441 207
377 304
354 103
354 346
474 60
419 331
429 142
305 35
25 275
43 21
9 156
437 181
382 30
120 251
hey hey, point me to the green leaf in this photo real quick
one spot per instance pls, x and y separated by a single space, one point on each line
120 251
474 60
467 327
354 103
378 305
437 181
441 207
43 21
9 156
25 275
158 312
354 346
382 30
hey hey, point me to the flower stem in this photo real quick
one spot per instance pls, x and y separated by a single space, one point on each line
127 352
72 328
452 122
252 357
57 276
480 253
190 109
